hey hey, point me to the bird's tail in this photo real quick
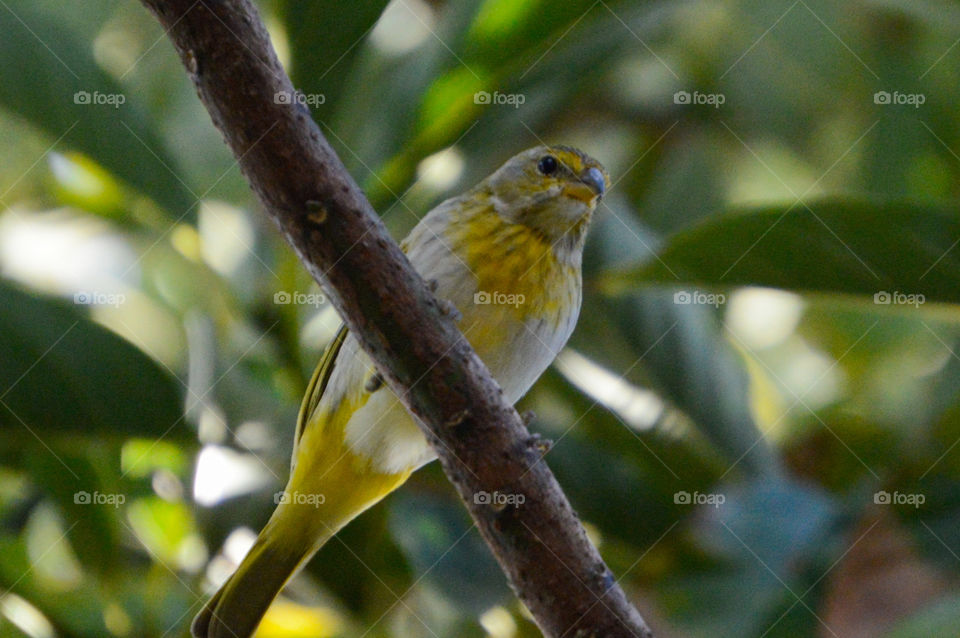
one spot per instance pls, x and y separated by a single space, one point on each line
238 606
290 538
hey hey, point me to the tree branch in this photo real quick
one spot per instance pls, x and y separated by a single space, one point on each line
482 443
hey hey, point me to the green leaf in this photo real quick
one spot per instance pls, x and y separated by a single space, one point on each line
77 612
62 373
682 350
323 56
832 246
47 70
74 479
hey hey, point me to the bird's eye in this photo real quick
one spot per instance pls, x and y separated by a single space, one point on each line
547 165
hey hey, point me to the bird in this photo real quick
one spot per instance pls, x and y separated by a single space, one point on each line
507 255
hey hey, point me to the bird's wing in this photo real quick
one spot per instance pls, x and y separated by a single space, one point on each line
421 245
317 385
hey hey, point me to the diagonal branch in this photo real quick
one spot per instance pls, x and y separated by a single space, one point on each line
482 443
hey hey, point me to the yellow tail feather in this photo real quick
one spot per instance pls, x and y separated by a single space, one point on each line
237 608
292 536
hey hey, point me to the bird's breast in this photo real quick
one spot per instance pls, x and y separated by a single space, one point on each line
518 298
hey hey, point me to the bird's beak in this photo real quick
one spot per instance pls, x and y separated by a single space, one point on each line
590 187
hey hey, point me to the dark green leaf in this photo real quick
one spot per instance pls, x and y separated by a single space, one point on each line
325 39
62 373
832 246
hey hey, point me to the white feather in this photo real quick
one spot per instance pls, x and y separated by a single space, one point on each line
382 430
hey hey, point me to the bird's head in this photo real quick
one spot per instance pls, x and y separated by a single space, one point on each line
551 189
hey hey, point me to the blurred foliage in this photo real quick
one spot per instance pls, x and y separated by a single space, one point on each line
757 417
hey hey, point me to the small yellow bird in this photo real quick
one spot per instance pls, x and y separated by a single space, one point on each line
507 254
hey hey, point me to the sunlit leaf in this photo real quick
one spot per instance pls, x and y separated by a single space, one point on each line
50 78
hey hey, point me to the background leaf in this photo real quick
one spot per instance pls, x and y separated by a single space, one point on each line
831 246
62 77
60 370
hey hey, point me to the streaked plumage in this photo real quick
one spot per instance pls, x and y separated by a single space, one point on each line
514 240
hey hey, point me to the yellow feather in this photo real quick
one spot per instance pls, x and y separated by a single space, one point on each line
328 488
511 260
318 383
